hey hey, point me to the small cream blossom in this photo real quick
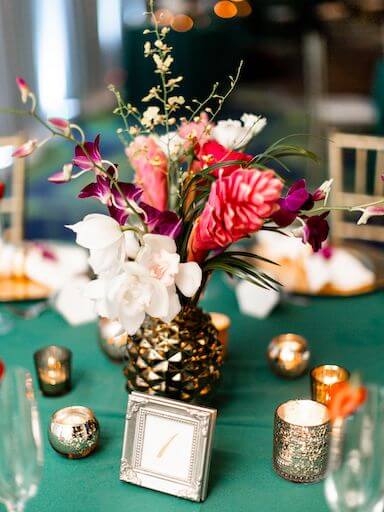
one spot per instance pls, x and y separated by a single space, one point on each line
152 94
162 65
151 117
147 49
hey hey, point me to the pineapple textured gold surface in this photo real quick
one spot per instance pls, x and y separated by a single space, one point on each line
180 359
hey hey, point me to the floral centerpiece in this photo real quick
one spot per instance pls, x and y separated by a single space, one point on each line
197 191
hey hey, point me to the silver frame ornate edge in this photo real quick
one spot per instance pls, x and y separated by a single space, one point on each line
203 420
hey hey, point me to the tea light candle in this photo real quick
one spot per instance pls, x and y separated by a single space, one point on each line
74 431
301 440
53 368
112 338
222 323
323 378
288 355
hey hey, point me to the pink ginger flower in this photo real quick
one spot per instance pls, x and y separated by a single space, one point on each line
237 206
197 131
151 166
24 89
25 149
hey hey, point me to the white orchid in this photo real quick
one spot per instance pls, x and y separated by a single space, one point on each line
105 240
129 296
159 256
171 143
234 134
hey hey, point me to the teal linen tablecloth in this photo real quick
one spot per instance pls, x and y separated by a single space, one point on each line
344 331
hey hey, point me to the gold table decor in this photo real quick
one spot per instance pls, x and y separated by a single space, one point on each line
222 323
53 368
112 339
323 378
74 431
288 355
301 441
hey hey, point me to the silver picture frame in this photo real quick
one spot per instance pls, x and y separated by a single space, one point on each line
184 472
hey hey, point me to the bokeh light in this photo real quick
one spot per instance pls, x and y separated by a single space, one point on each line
182 23
225 9
243 8
164 17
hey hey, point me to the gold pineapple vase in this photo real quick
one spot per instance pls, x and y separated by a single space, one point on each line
180 359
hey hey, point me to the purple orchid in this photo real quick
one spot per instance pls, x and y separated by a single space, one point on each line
88 159
162 222
118 208
105 192
101 189
158 222
315 231
298 198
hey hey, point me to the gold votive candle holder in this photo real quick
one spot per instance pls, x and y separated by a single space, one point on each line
112 339
53 369
288 355
222 323
323 378
301 441
74 431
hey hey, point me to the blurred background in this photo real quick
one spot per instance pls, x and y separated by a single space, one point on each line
309 66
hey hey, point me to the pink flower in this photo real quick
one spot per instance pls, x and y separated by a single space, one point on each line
211 152
237 206
62 176
151 167
90 158
196 131
24 89
60 124
25 149
368 212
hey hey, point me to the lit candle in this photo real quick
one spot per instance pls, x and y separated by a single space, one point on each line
222 323
53 367
74 431
301 440
288 355
323 378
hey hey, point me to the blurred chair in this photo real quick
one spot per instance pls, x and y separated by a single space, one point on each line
13 203
362 186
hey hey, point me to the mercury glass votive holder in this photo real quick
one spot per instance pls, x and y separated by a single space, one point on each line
323 378
53 368
112 340
288 355
301 441
222 323
74 431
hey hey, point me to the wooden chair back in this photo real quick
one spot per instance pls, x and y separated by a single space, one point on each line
365 184
13 203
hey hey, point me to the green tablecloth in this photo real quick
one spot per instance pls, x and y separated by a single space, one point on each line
344 331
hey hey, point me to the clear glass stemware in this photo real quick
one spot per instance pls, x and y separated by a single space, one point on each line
21 455
355 478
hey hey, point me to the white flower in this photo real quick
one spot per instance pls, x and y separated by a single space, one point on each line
105 240
171 141
159 256
151 117
129 296
234 134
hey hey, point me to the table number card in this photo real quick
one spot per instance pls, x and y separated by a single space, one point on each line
167 446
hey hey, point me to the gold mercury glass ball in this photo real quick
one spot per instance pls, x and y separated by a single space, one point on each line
288 355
